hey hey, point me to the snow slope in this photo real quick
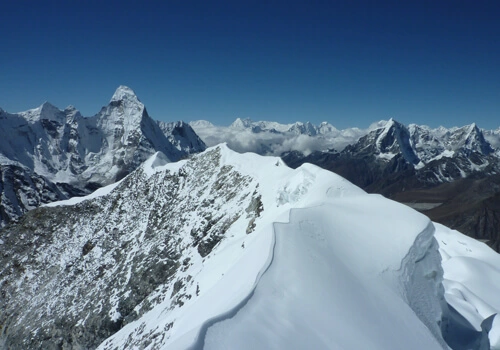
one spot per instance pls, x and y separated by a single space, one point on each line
312 297
323 253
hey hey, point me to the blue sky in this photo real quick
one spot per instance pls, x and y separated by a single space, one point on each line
346 62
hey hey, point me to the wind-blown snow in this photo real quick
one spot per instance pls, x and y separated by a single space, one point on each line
471 278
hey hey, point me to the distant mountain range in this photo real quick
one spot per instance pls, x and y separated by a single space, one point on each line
49 154
411 164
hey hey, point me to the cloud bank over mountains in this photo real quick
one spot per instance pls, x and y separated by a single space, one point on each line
271 138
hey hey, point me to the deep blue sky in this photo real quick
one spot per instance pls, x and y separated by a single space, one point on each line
347 62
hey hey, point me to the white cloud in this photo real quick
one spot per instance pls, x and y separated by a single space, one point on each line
272 143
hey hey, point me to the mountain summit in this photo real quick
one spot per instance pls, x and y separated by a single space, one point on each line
124 93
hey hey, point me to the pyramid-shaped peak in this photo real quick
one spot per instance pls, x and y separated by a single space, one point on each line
241 123
47 111
392 122
48 106
124 93
72 111
473 127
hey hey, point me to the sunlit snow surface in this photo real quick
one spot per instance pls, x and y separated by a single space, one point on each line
327 267
471 278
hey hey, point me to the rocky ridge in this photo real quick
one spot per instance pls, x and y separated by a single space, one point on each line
74 282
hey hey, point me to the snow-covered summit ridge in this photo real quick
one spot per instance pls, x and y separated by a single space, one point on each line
321 212
45 111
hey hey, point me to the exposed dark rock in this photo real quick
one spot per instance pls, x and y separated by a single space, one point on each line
71 276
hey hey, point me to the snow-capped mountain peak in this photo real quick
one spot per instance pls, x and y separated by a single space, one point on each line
72 112
303 129
201 124
182 136
326 128
46 111
124 93
241 123
469 139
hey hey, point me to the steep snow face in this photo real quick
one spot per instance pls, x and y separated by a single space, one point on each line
326 267
66 147
433 144
103 262
394 138
384 145
46 111
129 137
469 139
427 144
124 93
304 129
